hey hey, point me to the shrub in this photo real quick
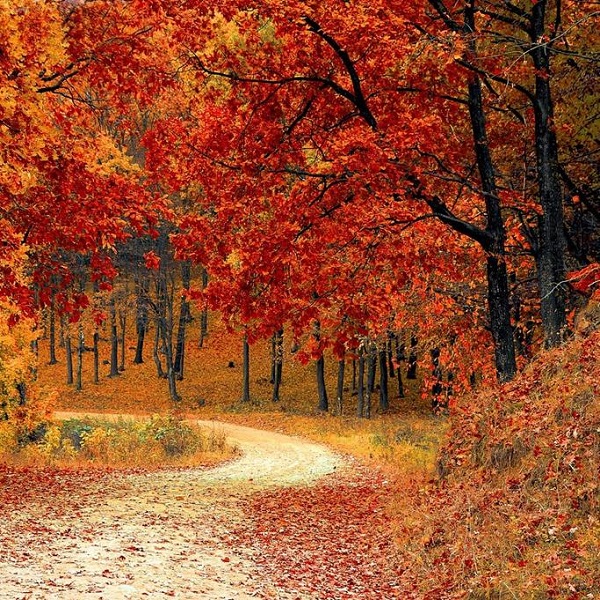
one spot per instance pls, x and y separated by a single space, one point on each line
159 440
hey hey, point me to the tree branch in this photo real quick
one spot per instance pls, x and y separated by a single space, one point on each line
358 96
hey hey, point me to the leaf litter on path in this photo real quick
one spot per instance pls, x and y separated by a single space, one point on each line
266 525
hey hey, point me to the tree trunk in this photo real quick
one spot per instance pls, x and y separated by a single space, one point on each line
437 388
80 351
277 363
551 244
497 278
123 325
96 358
360 409
114 341
400 357
412 359
340 385
321 388
204 313
272 377
184 319
371 366
160 372
52 332
384 402
493 242
246 371
141 322
69 359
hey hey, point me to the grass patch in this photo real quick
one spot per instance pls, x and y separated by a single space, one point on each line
156 441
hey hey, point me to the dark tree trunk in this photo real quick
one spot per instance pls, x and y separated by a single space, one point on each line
246 371
354 384
400 357
204 313
340 385
141 321
96 339
411 373
171 375
123 326
167 349
437 389
272 377
160 372
80 351
493 238
551 243
22 391
69 359
184 319
114 341
497 278
61 331
384 402
371 366
52 332
321 388
360 387
277 363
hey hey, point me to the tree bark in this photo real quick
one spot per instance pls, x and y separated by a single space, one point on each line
160 372
277 363
141 321
412 359
399 358
371 365
123 326
69 359
384 401
52 332
184 319
497 277
340 385
437 388
114 340
360 386
80 351
320 369
551 245
204 313
96 339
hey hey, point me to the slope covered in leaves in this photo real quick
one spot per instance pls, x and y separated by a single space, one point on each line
516 511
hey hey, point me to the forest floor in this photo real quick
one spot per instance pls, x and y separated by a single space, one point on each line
265 525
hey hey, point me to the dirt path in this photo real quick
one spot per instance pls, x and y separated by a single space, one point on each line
153 535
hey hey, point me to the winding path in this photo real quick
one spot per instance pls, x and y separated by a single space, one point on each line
154 535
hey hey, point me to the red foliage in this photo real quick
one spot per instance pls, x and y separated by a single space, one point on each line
333 539
587 280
